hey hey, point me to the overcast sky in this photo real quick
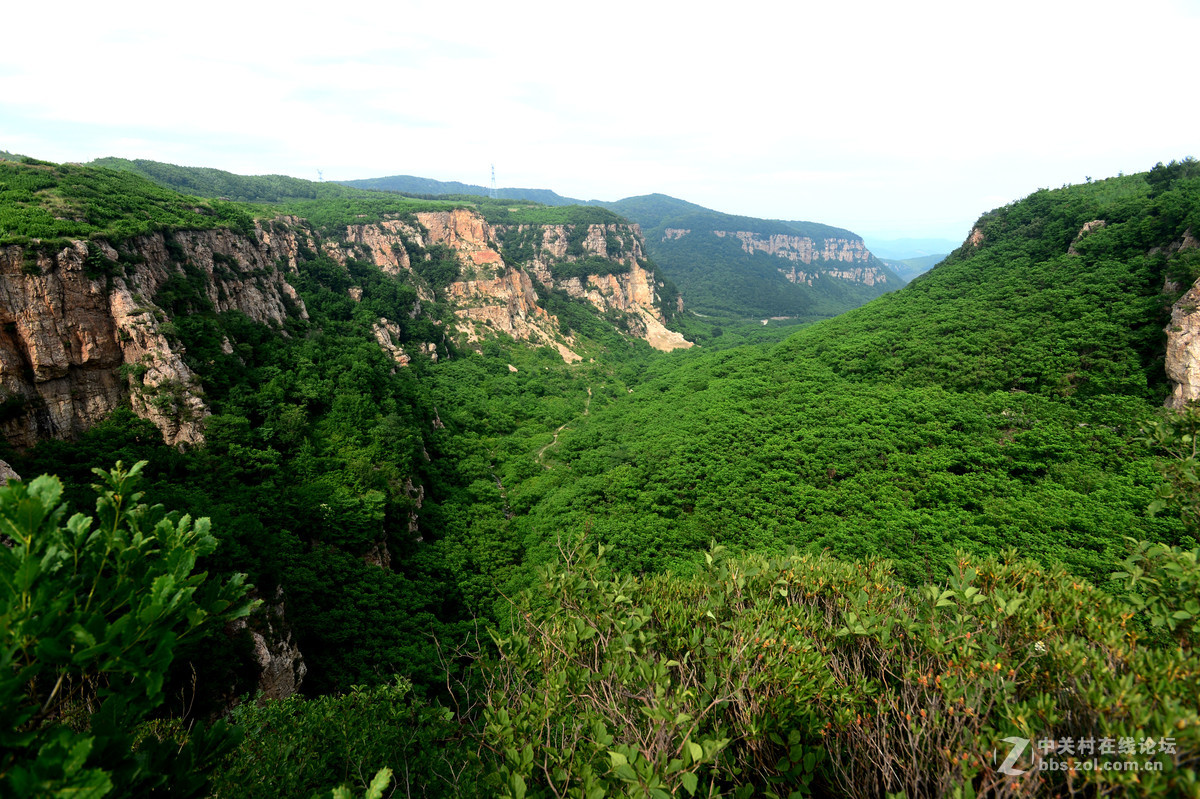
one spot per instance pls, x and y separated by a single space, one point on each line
890 119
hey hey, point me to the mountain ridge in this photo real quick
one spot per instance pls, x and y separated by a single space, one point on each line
727 280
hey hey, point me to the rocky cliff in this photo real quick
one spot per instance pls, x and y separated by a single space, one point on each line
837 258
80 331
601 264
1183 338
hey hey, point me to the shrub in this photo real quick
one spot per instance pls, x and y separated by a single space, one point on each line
92 612
783 675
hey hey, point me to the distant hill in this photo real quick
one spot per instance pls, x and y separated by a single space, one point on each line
409 184
738 266
725 266
720 275
207 182
908 268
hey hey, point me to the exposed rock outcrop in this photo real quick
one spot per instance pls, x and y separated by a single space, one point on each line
1089 227
629 288
80 333
463 231
387 333
7 473
1183 340
837 258
280 662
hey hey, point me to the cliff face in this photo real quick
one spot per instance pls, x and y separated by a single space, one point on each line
494 295
624 286
80 333
837 258
1183 340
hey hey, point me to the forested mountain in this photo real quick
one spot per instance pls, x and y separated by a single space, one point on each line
408 184
737 267
554 561
734 268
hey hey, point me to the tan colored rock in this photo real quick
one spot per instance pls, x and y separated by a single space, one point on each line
387 333
1183 341
463 231
507 304
7 473
1088 227
385 241
803 250
64 336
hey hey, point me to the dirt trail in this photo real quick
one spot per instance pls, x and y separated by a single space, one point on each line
587 404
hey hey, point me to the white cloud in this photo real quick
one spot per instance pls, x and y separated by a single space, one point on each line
905 117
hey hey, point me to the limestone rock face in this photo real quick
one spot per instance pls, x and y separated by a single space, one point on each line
630 289
280 662
1183 341
492 294
65 334
841 259
387 333
463 231
80 333
385 241
7 473
507 303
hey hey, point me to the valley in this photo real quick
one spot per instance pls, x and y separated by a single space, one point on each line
525 506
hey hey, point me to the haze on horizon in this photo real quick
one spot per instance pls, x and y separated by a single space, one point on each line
891 120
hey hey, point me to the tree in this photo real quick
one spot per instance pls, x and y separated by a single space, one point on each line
91 612
1177 434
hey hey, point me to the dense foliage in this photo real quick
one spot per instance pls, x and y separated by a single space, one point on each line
93 611
205 182
799 674
53 203
952 472
330 207
721 279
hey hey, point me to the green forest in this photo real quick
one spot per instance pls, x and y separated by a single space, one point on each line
849 558
722 281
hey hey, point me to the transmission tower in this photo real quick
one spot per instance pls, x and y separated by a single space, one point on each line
320 176
492 193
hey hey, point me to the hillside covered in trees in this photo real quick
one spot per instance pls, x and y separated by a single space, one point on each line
851 563
726 278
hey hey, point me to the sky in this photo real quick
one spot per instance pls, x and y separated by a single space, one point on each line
890 119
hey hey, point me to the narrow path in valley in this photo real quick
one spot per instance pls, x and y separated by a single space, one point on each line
587 404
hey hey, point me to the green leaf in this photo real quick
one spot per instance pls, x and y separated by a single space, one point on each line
690 782
383 778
